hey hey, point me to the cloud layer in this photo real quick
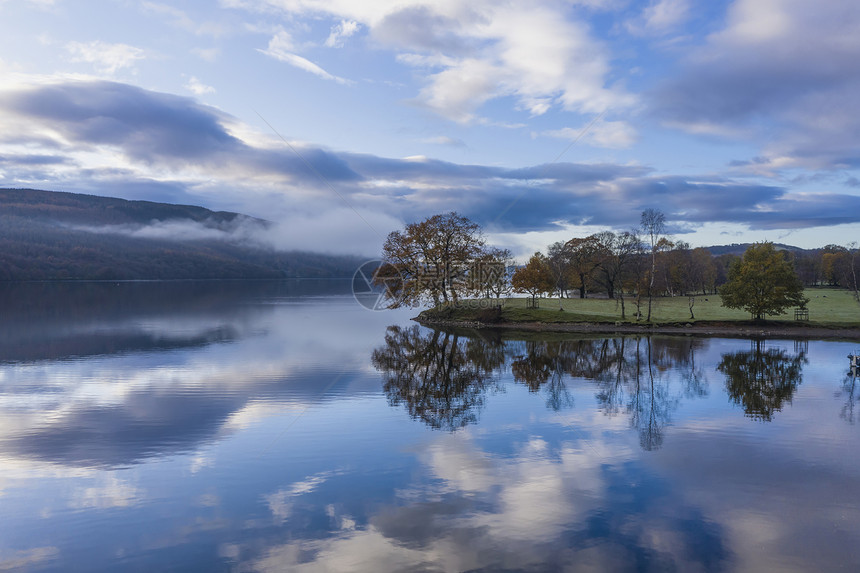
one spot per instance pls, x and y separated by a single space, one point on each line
180 146
785 73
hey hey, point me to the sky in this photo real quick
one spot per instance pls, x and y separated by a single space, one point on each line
542 120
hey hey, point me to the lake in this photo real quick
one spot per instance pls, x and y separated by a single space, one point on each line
282 426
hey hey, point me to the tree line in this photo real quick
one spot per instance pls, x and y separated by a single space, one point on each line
445 258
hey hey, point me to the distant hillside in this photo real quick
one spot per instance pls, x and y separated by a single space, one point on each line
46 235
740 248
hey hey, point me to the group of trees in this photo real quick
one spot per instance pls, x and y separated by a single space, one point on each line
445 259
832 265
642 263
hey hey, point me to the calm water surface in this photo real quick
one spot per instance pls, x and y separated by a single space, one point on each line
282 427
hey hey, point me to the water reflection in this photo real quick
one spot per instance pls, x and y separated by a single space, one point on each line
108 375
543 367
57 321
442 377
252 429
762 379
850 393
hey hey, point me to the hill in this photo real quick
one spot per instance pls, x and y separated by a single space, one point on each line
47 235
740 248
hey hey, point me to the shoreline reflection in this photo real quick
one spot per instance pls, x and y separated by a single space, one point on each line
442 377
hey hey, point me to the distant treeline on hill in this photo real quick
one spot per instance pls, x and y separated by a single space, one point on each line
47 235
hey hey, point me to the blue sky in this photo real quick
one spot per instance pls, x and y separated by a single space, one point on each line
542 120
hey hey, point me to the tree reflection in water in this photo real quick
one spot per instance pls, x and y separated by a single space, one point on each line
634 378
543 367
442 377
850 392
762 379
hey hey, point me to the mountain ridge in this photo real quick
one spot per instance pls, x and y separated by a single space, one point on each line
57 235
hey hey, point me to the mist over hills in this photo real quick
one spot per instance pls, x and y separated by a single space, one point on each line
49 235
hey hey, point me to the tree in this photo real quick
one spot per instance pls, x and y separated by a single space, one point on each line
535 278
585 256
430 259
853 252
621 252
703 270
558 258
491 272
653 223
762 283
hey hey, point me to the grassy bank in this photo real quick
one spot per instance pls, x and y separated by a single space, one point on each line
827 307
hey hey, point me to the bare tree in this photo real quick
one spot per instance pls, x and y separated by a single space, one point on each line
621 251
653 223
853 251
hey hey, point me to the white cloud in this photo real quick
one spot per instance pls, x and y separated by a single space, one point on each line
340 33
609 134
759 21
208 54
785 73
459 90
28 558
534 494
281 48
281 502
197 87
538 54
444 140
182 20
660 16
106 58
112 492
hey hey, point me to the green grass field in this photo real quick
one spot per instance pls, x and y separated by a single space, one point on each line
830 307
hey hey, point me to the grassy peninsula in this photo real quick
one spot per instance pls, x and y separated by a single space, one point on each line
830 310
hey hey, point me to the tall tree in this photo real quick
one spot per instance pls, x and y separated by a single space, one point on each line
762 283
620 253
653 223
854 254
585 256
430 259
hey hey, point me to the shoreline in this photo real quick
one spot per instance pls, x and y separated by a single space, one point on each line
690 329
